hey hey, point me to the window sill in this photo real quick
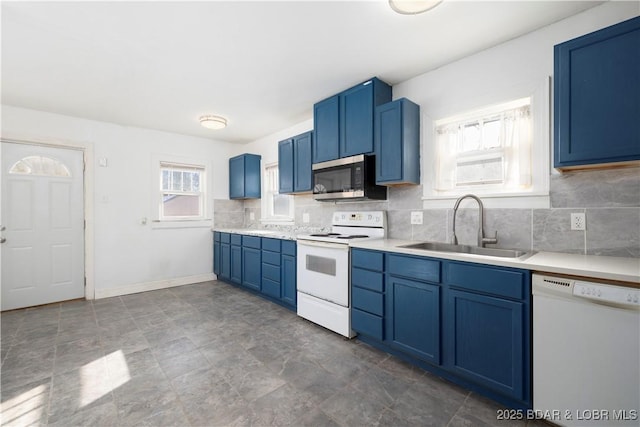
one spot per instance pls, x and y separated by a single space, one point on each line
492 201
184 223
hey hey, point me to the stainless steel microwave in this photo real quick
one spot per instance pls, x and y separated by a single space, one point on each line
349 178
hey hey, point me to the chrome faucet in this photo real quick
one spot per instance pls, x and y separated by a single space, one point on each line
481 239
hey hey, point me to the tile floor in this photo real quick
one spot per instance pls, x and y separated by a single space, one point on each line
209 355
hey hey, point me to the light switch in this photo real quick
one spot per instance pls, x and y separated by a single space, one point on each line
103 162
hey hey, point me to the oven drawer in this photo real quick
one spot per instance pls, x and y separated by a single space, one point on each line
367 324
367 279
371 260
414 268
366 300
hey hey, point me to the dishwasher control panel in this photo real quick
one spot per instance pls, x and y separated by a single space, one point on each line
607 293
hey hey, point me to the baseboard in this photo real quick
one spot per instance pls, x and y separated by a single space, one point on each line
153 286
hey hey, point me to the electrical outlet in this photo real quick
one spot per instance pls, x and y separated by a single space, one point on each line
416 217
305 217
578 221
252 216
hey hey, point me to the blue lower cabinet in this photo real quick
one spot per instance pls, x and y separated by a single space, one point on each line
467 322
486 342
413 318
216 253
251 268
225 261
236 264
288 278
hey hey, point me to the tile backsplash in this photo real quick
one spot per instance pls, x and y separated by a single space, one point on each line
609 198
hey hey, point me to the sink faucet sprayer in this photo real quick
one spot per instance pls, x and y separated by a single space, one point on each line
481 239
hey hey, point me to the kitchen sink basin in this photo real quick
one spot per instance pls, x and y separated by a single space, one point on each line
465 249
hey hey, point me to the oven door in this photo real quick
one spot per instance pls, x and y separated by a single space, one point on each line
323 271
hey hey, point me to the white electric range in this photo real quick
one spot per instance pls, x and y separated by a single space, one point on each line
323 268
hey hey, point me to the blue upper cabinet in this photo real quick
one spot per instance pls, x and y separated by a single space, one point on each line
397 143
285 166
597 97
244 177
326 125
294 163
344 123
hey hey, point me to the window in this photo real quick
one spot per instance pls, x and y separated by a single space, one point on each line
498 152
490 149
276 207
181 191
40 165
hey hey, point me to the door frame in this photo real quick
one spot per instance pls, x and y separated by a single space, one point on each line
88 183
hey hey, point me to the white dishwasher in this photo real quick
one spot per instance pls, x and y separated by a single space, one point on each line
586 352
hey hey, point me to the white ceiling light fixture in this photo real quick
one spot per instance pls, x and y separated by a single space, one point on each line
213 122
413 7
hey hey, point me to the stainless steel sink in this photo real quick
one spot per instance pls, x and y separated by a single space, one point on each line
466 249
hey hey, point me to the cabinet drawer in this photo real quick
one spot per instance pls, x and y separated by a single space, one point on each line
225 237
271 288
216 236
272 245
236 239
504 282
414 267
370 260
271 272
272 258
366 300
251 242
367 324
367 279
289 247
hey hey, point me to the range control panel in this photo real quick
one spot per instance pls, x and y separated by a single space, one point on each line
360 219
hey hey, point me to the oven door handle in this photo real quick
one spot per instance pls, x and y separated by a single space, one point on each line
323 244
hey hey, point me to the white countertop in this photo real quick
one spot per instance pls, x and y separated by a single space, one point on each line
592 266
275 234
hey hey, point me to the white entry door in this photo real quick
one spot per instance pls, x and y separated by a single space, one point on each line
43 219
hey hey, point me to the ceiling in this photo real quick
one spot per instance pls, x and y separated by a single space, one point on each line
263 64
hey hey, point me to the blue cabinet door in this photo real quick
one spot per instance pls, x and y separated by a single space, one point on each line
236 264
244 177
225 261
357 116
288 280
285 166
486 342
326 124
597 97
216 258
397 143
412 318
302 145
251 268
236 177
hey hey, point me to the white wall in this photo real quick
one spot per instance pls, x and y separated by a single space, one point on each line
129 256
267 146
